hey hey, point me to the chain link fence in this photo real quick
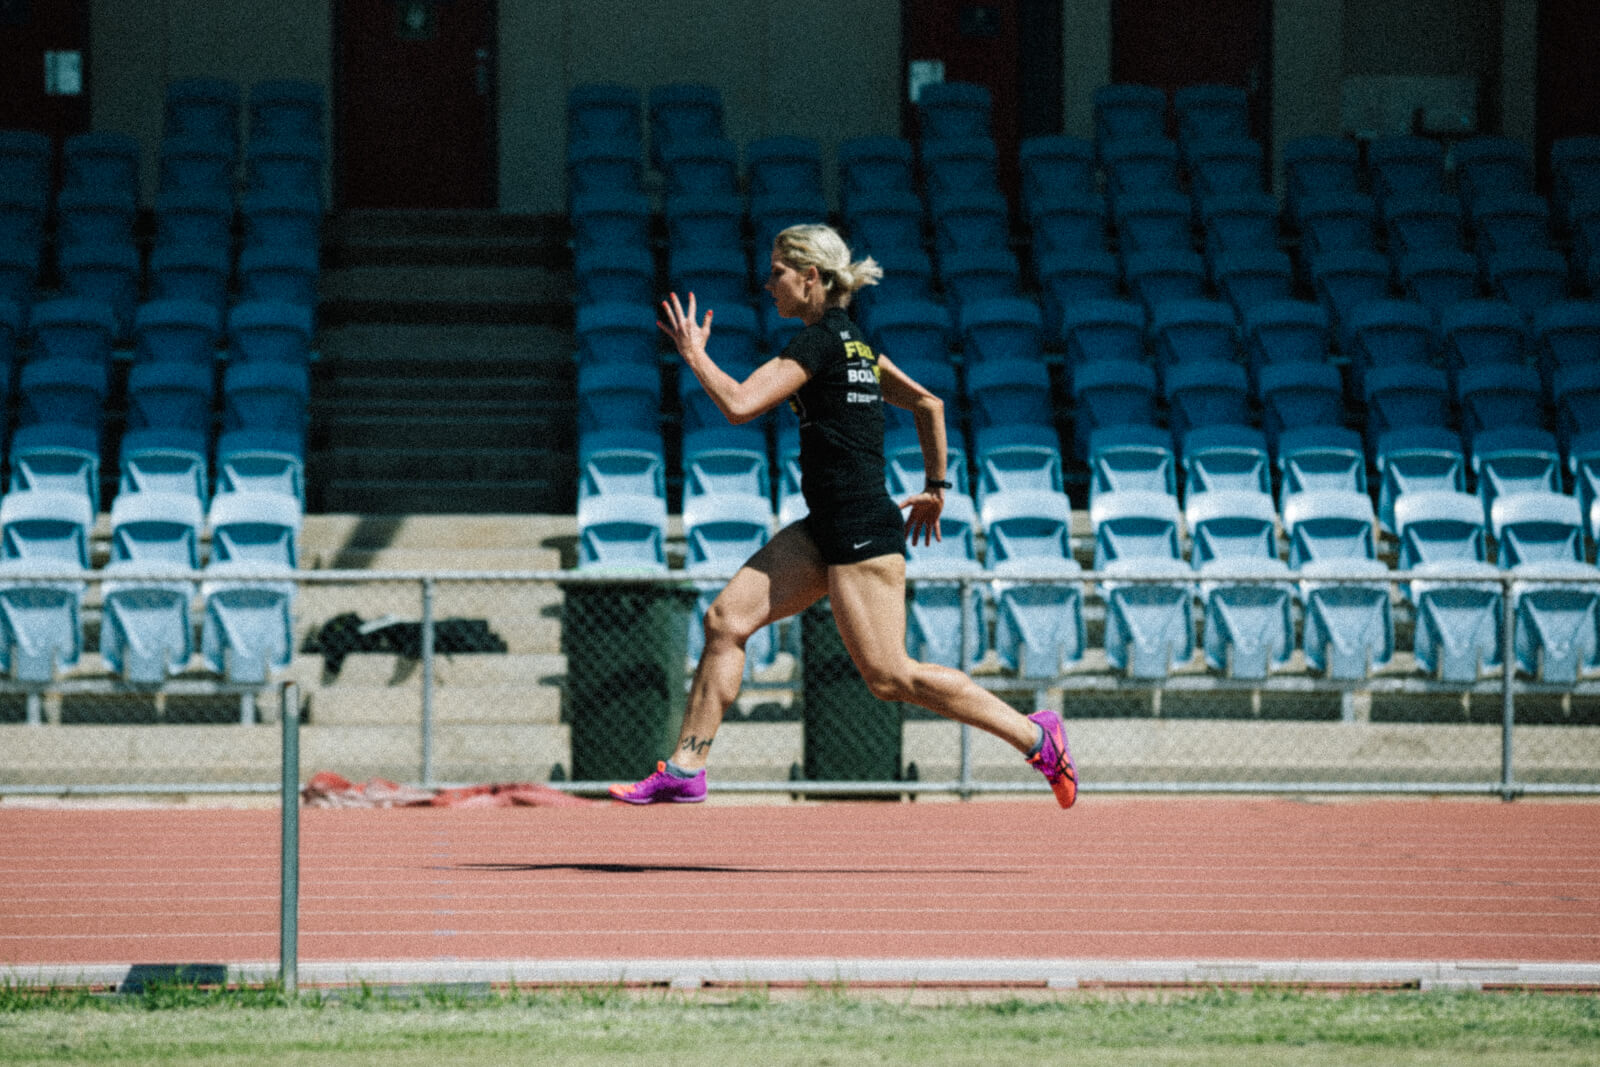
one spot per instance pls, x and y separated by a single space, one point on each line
580 679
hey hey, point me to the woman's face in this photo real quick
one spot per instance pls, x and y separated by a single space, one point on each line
789 287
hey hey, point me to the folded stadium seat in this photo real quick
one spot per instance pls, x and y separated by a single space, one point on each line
169 394
876 163
1566 334
107 273
1404 394
679 111
1150 220
1068 221
1319 456
704 220
1439 526
777 331
621 461
58 456
202 107
62 390
1205 392
600 165
1190 330
1164 276
1417 459
625 275
1004 328
970 219
1149 625
262 461
1299 394
1557 607
191 272
1403 165
164 459
1055 166
286 107
1238 222
941 626
959 165
1249 621
1337 222
1009 392
602 110
284 164
1122 110
783 164
617 333
1224 166
716 276
22 216
1529 278
47 527
1248 277
617 396
19 271
1575 395
197 163
27 159
1021 457
909 331
1074 278
1438 278
1329 524
266 396
146 634
1420 222
1293 331
1039 628
979 274
903 465
721 531
101 159
1489 165
884 219
1140 165
700 165
1512 460
1502 221
1318 164
1388 333
1207 112
1458 631
1133 524
1575 168
1131 457
1499 394
947 110
280 273
259 528
95 214
194 217
1478 332
1103 329
279 217
247 628
727 460
1110 392
270 331
622 532
1224 456
40 632
772 213
1349 626
1231 524
158 530
1535 527
72 328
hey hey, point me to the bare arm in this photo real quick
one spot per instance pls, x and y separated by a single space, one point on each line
768 385
927 411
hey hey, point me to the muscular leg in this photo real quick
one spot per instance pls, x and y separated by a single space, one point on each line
783 578
869 606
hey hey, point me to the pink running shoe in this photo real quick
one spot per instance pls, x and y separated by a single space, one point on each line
662 787
1054 758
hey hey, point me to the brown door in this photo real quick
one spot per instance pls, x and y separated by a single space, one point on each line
1569 79
1219 42
415 100
44 66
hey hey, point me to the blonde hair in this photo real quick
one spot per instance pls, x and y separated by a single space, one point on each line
820 246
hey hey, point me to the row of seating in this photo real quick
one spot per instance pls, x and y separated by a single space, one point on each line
164 331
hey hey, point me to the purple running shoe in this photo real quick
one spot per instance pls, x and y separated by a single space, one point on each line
662 787
1054 758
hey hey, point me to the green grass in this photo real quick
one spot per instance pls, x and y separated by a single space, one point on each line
184 1025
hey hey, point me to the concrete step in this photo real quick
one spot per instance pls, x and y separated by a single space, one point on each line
496 465
527 617
518 705
401 349
331 533
446 294
443 497
528 429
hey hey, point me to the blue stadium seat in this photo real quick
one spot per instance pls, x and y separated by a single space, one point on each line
281 217
1315 164
1509 460
19 270
47 527
911 331
170 394
146 633
1310 456
1529 278
58 456
1566 334
257 528
603 110
772 213
1478 332
1499 394
1223 165
1039 629
1239 222
716 276
95 215
1074 278
1420 222
941 626
1291 331
1575 395
1248 277
1488 165
947 110
40 631
621 461
1151 220
705 220
27 159
1249 621
247 629
1205 392
617 396
191 272
62 390
1009 392
261 461
1329 524
202 107
199 216
903 464
1164 276
700 165
270 331
604 164
958 165
1111 392
1122 110
1337 222
1385 334
1055 165
273 272
1005 328
284 164
108 273
979 274
1503 221
1194 330
783 164
1231 524
1135 525
1417 459
1556 638
1349 626
881 219
76 328
1209 112
12 322
1299 394
874 163
1400 395
1140 164
1131 457
286 107
1224 456
1103 329
23 211
197 162
1405 164
157 529
1575 170
622 532
617 333
682 110
266 396
721 531
1068 221
1438 278
1021 457
971 219
164 459
623 275
1537 527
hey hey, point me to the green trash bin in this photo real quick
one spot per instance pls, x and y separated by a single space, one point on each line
850 735
625 643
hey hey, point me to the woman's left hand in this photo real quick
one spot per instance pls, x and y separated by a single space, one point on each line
923 521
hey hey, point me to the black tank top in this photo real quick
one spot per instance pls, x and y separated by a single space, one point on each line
840 408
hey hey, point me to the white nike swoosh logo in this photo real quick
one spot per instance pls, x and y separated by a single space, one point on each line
863 544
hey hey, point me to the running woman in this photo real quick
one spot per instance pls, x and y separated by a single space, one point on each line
851 547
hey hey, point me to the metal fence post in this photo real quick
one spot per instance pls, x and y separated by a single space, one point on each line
1508 700
965 791
289 864
427 683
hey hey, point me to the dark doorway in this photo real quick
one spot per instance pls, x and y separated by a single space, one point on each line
415 104
44 66
1569 78
1220 42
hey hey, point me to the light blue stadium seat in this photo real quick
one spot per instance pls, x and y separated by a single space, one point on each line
1417 459
939 378
941 626
1231 524
40 620
1131 457
1458 631
1150 626
904 476
621 461
1017 457
1134 524
260 528
603 110
262 461
156 528
46 526
953 109
1225 456
1111 392
1329 524
1349 625
622 532
1295 395
1583 468
1557 633
1537 528
146 632
1511 459
722 531
1039 626
1249 621
726 460
62 456
1439 526
164 459
177 331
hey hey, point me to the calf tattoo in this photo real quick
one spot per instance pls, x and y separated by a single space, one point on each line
699 746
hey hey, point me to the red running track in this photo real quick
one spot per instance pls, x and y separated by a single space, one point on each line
1114 879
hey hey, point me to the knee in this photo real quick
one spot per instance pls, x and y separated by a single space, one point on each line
890 681
723 627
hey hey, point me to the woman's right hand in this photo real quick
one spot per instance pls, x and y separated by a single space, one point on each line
687 336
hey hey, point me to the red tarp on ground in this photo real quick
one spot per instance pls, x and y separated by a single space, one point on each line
329 790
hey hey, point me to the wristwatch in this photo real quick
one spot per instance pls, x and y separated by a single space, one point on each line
937 484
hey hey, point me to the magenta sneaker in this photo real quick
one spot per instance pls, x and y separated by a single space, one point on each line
662 787
1054 758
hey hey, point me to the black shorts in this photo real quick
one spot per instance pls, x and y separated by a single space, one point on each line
858 530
